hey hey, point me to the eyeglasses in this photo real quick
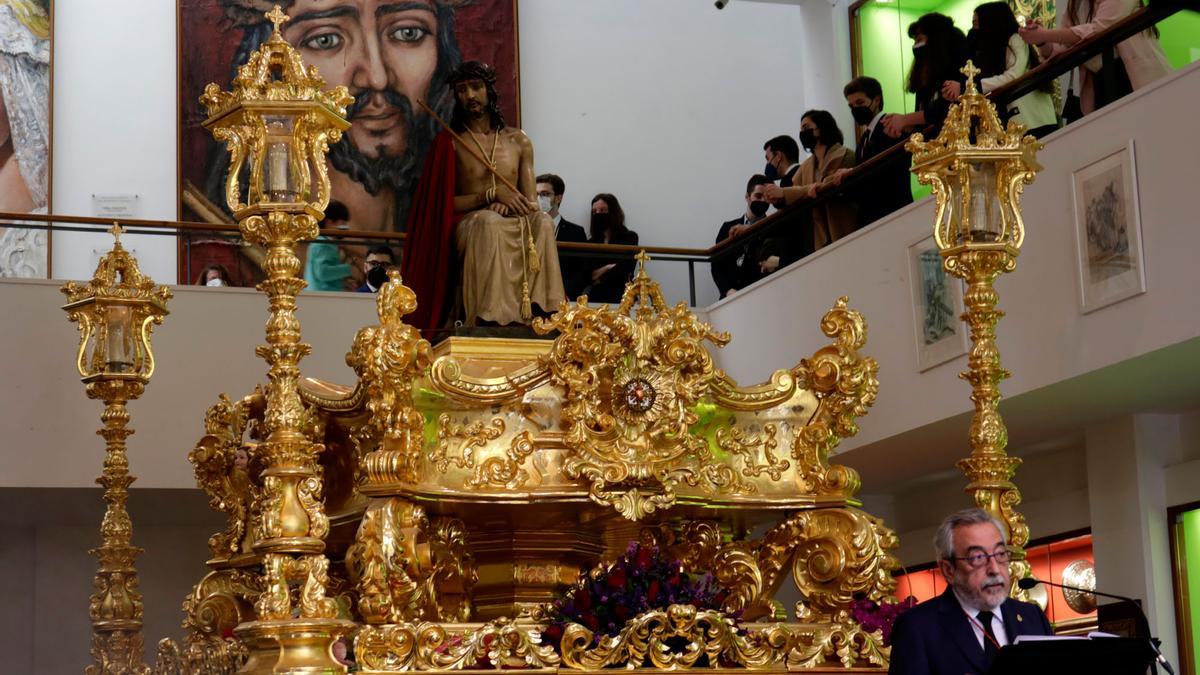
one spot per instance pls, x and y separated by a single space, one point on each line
978 559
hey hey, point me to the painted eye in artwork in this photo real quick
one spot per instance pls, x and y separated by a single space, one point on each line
409 34
322 42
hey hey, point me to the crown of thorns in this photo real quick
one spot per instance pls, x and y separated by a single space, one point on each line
472 70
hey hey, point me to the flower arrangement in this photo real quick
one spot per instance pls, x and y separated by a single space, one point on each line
639 581
873 616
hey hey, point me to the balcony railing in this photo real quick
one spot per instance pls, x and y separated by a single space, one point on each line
194 234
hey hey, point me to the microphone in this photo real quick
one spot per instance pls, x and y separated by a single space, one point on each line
1030 582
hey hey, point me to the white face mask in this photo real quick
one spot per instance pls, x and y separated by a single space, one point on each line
545 203
215 282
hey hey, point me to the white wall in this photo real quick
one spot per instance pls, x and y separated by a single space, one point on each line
114 124
664 103
204 347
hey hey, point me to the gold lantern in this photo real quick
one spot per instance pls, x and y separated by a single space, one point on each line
977 169
116 312
277 124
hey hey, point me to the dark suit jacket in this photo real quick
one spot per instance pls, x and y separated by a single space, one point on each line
891 188
936 638
574 267
726 272
786 181
610 287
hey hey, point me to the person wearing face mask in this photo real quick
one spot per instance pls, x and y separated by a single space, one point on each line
889 188
607 277
213 275
378 262
963 629
550 190
783 160
831 219
939 52
1001 55
739 268
324 269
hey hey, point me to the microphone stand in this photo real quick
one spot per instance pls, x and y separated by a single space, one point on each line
1030 582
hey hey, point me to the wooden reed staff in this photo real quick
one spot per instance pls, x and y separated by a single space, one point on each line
474 153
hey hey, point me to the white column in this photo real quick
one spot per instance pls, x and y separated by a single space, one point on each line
1127 497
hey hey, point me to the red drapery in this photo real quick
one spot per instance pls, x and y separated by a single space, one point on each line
429 249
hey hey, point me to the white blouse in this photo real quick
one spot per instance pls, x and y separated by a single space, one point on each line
1034 109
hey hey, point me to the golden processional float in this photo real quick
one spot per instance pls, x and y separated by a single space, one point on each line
601 498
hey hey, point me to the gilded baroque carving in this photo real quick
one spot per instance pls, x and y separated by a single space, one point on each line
407 568
631 377
387 358
429 646
464 438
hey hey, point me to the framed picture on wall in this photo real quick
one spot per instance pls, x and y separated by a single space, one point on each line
1108 230
937 300
390 55
26 36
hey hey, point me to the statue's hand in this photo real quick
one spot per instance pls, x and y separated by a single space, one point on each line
516 202
499 208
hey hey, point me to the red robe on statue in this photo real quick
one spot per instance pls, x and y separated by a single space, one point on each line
429 253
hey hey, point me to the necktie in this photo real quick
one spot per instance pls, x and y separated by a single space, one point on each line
990 647
862 145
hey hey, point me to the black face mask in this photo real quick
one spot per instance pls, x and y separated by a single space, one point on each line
377 277
808 139
862 114
759 208
917 49
771 172
601 222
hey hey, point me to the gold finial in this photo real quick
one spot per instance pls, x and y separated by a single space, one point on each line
642 259
116 231
970 71
277 17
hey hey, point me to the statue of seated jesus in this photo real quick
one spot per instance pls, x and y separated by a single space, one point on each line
506 245
475 201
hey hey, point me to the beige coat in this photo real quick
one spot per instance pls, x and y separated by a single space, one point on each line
1144 58
835 218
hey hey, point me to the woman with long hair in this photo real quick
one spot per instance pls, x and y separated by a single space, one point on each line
608 276
939 52
833 218
1140 58
1002 56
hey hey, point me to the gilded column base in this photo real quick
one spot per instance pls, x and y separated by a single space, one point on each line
300 646
290 545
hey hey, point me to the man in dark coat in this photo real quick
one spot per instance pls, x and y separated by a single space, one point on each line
550 190
890 188
961 631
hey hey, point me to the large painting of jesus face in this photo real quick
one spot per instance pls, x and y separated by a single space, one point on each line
390 54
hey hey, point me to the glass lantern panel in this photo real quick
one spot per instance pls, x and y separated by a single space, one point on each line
279 170
120 350
986 223
953 217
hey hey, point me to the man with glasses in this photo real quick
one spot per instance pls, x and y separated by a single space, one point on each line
379 260
962 630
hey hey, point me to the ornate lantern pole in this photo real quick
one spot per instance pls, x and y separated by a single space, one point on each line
116 312
277 124
977 170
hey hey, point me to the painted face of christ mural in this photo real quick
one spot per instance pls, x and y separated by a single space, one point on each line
389 53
